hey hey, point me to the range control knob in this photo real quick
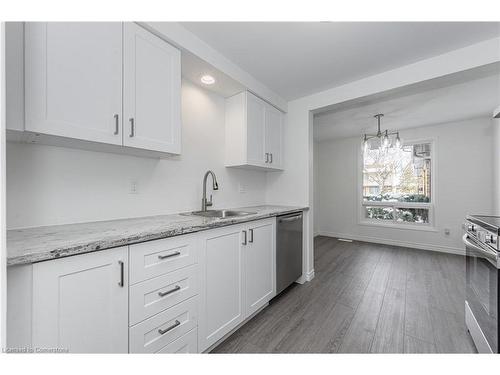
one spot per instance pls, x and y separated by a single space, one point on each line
491 239
471 228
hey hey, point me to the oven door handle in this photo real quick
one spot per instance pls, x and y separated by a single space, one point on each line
490 255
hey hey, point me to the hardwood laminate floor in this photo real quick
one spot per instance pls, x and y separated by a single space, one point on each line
365 298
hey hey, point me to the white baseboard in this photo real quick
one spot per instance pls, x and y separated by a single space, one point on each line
386 241
305 278
310 275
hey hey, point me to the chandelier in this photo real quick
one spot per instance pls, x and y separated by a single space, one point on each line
385 137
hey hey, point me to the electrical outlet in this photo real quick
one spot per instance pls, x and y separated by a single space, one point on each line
133 187
242 188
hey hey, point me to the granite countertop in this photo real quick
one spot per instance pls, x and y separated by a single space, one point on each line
33 245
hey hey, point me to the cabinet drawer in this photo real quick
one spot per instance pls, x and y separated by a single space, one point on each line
155 333
154 258
185 344
155 295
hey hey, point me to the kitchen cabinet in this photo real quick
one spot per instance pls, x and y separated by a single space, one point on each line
221 271
238 275
152 91
80 303
78 74
254 131
73 80
259 258
178 294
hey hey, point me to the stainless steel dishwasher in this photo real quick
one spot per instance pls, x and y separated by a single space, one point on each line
288 249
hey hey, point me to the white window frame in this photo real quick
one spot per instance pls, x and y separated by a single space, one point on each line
430 226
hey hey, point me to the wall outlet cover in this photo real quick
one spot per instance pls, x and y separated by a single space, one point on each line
133 187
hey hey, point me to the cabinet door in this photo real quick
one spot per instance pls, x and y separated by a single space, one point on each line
73 80
274 129
221 305
80 303
256 113
152 92
260 265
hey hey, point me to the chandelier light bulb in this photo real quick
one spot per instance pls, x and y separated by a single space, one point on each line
398 141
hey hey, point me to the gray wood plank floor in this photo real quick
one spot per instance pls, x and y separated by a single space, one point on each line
365 298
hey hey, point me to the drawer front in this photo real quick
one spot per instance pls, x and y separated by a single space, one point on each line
154 258
185 344
162 292
155 333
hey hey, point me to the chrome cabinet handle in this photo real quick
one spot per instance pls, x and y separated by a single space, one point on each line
169 255
163 294
251 236
163 331
271 157
117 124
267 157
244 238
132 127
121 283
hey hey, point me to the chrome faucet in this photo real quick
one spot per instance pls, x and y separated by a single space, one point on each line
204 202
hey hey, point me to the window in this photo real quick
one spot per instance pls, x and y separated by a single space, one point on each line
397 184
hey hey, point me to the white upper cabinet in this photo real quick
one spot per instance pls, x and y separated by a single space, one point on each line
254 131
273 141
77 76
256 120
80 303
152 89
73 80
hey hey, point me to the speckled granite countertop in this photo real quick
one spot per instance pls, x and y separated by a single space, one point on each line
33 245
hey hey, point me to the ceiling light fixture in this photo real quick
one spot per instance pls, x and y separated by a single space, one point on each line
207 79
383 136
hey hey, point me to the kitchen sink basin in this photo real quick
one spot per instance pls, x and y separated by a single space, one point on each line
221 214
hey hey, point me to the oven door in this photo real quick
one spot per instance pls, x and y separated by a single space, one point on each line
482 288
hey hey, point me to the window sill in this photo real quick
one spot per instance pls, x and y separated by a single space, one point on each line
424 228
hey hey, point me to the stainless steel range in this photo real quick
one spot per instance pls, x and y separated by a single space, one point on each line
481 241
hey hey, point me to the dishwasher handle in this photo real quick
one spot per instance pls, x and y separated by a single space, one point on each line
288 219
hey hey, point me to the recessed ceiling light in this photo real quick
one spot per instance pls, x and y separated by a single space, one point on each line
207 79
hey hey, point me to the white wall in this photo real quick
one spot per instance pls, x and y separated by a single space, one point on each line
496 165
53 185
296 183
464 185
316 201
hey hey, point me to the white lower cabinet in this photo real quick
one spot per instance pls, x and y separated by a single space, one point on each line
259 258
185 344
185 293
238 277
221 271
153 334
80 303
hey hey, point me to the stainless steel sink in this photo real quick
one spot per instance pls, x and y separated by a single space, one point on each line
221 214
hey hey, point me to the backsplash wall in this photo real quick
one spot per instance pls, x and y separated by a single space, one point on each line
52 185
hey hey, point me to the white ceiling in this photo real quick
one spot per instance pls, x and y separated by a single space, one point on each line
299 58
466 100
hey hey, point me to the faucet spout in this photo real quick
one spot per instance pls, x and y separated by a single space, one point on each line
215 186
